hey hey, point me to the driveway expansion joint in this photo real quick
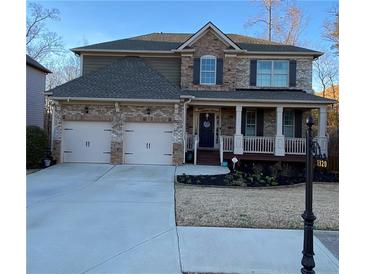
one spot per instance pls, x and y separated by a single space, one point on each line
128 249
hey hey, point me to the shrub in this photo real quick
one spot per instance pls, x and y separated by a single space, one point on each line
37 145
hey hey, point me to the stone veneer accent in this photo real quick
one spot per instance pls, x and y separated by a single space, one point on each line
236 69
209 44
118 117
228 120
269 122
304 73
189 120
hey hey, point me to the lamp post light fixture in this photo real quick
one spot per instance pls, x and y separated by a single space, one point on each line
308 216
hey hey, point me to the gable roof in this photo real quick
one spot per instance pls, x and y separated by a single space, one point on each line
126 78
171 42
202 31
33 63
182 37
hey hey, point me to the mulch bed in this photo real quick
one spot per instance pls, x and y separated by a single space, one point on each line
221 180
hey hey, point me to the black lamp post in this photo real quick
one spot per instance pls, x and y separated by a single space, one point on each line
308 216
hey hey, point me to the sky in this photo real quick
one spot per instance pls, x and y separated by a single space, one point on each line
89 22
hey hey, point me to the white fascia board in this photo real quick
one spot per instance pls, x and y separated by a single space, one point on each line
114 99
198 34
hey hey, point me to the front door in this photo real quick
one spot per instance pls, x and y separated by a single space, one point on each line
206 130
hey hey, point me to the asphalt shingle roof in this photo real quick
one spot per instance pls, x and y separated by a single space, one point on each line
259 95
171 41
182 37
126 78
33 63
132 78
131 44
274 48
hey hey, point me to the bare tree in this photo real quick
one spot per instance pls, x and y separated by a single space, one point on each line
291 25
326 72
40 42
64 70
331 29
283 22
266 16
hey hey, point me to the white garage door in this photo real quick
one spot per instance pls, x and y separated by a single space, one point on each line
148 143
87 142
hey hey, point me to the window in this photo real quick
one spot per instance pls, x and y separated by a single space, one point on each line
288 123
250 123
208 67
272 73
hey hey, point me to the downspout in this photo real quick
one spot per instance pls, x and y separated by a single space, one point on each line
184 127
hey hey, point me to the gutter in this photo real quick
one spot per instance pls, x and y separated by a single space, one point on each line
172 51
259 101
115 99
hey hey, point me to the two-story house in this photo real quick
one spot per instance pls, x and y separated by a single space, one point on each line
36 84
149 99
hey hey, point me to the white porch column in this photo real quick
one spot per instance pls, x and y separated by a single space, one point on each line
322 130
238 138
279 138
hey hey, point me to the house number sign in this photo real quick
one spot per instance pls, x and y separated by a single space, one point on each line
321 163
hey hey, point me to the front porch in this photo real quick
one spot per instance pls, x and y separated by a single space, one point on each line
214 134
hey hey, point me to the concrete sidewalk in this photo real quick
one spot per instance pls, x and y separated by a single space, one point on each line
241 250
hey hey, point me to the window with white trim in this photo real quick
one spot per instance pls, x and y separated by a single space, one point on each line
250 129
272 73
288 123
208 70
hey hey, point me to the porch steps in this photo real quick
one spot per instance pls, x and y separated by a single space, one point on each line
208 157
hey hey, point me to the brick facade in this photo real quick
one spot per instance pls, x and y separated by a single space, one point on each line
236 74
269 122
118 116
228 121
304 73
209 44
236 68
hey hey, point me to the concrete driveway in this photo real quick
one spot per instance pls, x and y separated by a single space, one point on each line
91 218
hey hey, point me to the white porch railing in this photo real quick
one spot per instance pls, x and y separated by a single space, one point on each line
221 149
228 143
295 146
189 142
258 144
196 144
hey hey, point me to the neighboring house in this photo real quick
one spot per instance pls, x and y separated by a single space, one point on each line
150 98
36 85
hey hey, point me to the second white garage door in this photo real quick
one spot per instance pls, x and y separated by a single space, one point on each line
148 143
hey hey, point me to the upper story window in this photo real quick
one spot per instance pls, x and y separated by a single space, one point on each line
272 73
250 129
288 123
208 70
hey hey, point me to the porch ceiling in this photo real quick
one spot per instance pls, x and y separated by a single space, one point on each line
255 95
